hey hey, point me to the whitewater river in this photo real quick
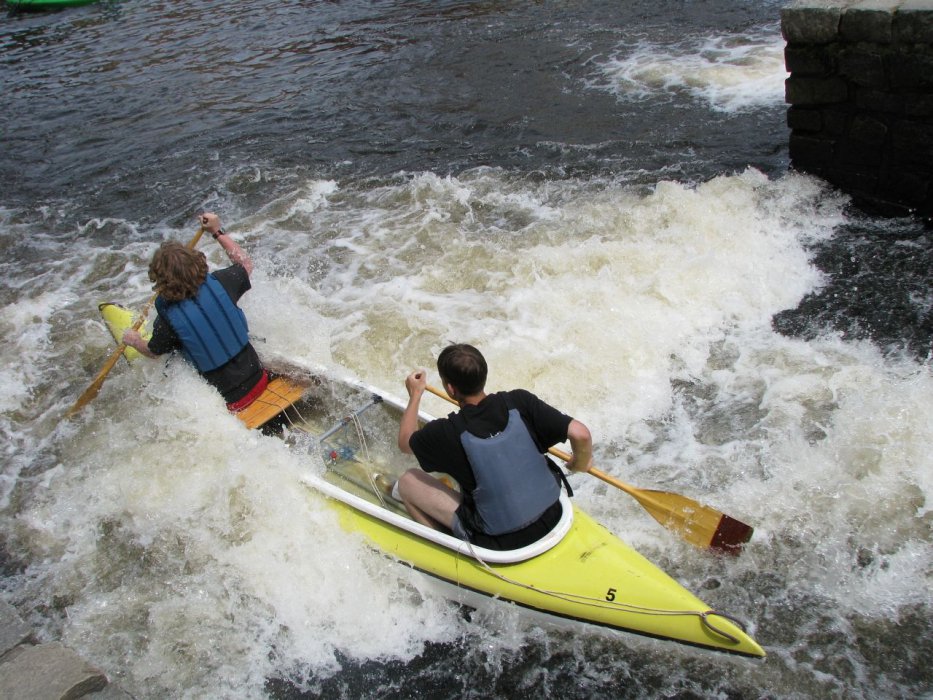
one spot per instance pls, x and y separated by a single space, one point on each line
596 194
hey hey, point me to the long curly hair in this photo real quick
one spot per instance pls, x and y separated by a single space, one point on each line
177 271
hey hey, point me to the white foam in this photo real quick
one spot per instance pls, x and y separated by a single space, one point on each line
194 559
197 545
731 73
25 325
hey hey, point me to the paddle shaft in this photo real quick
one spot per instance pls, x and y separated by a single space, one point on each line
630 490
94 389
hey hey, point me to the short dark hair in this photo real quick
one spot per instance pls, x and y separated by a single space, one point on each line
463 366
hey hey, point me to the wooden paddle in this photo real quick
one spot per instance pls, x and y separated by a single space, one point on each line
698 524
94 389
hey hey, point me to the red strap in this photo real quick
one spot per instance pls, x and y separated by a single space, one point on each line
253 394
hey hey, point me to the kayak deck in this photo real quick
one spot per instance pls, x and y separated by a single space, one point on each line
352 461
580 571
279 394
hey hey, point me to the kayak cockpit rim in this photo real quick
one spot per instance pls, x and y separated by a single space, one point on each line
491 556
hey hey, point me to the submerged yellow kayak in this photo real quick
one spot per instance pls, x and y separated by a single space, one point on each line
578 572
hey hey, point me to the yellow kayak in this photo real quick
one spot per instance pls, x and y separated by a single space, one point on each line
589 576
579 572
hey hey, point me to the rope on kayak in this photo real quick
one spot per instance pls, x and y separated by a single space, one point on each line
617 605
286 409
704 618
359 433
355 419
291 421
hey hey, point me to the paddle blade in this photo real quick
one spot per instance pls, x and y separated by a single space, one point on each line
699 524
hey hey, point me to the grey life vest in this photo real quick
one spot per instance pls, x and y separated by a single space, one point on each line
514 484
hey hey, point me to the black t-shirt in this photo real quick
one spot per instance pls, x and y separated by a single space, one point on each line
438 448
236 378
437 445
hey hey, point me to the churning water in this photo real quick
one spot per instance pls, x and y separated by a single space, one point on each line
595 194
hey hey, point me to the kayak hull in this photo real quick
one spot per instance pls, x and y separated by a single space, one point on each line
590 576
119 319
580 571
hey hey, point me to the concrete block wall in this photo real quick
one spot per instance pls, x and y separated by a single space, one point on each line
861 99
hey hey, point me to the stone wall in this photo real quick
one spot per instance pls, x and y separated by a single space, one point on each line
30 670
861 98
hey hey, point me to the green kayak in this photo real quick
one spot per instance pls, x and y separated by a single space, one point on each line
45 4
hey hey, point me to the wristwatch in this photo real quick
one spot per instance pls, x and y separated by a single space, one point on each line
220 232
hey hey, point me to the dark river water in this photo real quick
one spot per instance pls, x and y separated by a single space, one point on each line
598 195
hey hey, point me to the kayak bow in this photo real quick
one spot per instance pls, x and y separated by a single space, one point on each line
579 572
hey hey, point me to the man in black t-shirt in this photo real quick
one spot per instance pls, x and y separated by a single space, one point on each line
494 448
198 316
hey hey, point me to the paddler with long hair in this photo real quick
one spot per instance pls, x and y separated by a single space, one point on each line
199 317
494 447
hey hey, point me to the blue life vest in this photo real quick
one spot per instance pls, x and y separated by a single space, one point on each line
514 484
211 328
